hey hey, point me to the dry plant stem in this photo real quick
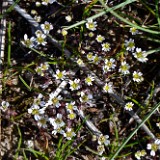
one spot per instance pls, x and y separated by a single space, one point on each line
84 67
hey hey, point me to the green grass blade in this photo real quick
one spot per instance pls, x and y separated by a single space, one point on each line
157 12
19 143
135 131
23 81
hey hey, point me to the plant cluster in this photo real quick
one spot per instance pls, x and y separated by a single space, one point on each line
78 78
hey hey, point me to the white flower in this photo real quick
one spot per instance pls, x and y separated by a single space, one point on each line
39 70
140 55
108 87
68 18
74 85
130 44
89 80
134 31
69 134
37 101
91 34
58 130
64 32
90 56
46 27
100 38
36 111
129 106
85 97
154 147
28 42
60 75
124 68
46 2
140 154
4 106
44 66
37 18
71 115
137 76
106 47
96 59
71 106
57 122
103 140
91 25
42 121
40 39
80 62
109 65
100 149
53 100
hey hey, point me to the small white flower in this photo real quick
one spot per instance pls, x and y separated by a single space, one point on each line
36 111
91 25
69 133
137 76
71 115
37 18
40 39
103 140
154 147
96 59
74 85
90 56
39 70
91 34
28 42
129 106
100 38
68 18
42 121
140 55
37 101
58 130
57 122
44 66
4 106
134 31
80 62
124 68
53 100
46 27
109 65
140 154
60 75
106 47
71 106
108 87
85 97
89 80
64 32
130 44
100 149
